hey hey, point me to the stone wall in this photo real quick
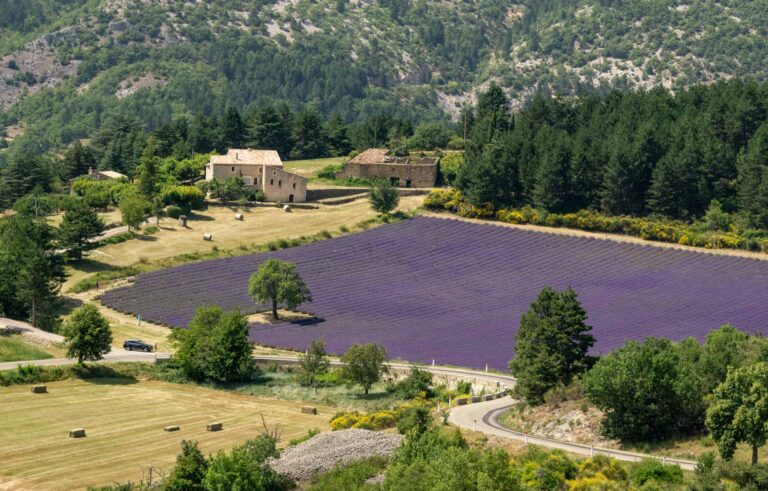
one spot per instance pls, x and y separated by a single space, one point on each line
419 175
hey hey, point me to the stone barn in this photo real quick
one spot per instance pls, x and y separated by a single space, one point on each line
418 172
260 169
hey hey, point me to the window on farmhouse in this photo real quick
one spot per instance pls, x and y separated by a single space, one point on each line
233 168
271 182
294 185
280 183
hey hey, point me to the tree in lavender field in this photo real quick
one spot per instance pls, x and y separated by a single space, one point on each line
277 282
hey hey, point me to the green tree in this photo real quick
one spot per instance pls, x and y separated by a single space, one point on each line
337 135
551 345
307 136
191 468
233 130
244 468
267 128
552 188
383 196
77 160
120 143
215 346
87 334
642 389
724 348
25 172
363 364
416 383
313 363
277 282
31 269
753 178
79 225
148 176
739 410
133 210
429 136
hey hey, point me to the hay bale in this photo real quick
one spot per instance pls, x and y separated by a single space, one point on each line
215 426
77 433
239 217
169 429
39 389
287 208
208 237
309 410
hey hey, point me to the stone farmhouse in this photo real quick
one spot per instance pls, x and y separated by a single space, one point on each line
260 169
419 172
105 175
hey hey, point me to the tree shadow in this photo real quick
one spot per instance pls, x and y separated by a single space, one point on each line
146 238
103 375
68 304
88 265
199 218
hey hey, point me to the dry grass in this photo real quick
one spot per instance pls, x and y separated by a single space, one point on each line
124 422
261 225
111 216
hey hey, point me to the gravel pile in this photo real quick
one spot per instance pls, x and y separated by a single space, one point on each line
328 450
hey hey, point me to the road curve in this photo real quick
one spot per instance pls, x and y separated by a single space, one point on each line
480 416
484 417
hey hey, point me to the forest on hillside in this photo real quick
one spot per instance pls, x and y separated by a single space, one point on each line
628 153
68 66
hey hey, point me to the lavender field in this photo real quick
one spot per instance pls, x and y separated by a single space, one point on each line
453 291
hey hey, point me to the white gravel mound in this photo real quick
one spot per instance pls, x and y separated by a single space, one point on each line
325 451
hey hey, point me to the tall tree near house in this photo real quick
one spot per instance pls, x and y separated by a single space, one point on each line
233 131
363 364
337 135
79 225
148 176
77 160
25 172
31 270
552 344
314 363
267 128
307 136
87 335
277 282
739 410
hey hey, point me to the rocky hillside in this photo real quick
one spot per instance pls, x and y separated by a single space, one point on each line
67 63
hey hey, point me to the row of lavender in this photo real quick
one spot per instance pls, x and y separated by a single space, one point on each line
454 291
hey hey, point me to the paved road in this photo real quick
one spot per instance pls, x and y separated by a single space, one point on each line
480 416
484 417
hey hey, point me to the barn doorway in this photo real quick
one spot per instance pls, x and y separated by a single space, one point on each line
394 181
408 183
290 198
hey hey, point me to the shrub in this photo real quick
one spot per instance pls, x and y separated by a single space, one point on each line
415 384
463 387
310 433
186 197
414 419
653 470
151 230
174 212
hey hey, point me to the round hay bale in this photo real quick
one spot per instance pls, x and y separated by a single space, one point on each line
287 208
208 236
239 217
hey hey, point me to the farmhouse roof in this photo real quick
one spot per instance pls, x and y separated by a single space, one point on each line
112 174
382 156
248 156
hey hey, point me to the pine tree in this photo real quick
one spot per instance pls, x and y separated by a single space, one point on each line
268 129
307 136
233 131
753 178
552 188
79 225
336 136
552 344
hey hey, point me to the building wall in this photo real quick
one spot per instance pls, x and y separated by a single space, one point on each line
421 176
279 185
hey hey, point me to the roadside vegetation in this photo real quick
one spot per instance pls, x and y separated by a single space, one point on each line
14 348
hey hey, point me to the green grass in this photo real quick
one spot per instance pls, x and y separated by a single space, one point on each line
13 348
282 385
310 168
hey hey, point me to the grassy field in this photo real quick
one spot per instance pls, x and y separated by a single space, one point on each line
13 348
261 225
310 168
124 422
111 216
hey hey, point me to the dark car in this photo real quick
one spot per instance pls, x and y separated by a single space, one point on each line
137 345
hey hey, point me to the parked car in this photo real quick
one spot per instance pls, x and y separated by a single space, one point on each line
137 345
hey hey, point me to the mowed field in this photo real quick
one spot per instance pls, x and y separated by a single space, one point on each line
260 225
454 291
124 422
